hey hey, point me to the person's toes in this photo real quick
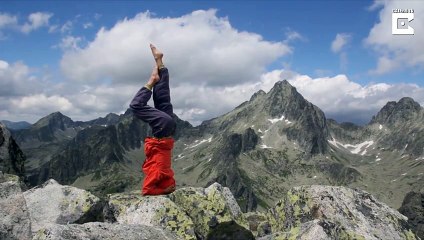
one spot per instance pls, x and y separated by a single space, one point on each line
156 53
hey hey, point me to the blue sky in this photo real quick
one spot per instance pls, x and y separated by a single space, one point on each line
328 45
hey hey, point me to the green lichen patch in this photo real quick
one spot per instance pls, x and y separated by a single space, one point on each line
132 208
206 208
342 213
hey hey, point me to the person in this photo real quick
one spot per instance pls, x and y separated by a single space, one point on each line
159 176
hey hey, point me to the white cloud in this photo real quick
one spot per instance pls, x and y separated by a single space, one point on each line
97 16
338 96
338 46
201 48
344 99
87 25
35 21
69 43
213 66
397 52
292 36
66 27
16 79
41 103
3 65
53 28
7 20
341 40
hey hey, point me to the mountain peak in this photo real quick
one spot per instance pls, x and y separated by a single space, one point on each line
55 119
409 102
282 84
395 112
257 94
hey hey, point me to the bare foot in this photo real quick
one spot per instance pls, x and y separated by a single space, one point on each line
169 189
156 53
154 77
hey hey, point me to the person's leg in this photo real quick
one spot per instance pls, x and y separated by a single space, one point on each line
161 91
161 123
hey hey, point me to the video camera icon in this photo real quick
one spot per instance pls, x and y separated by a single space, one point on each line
400 23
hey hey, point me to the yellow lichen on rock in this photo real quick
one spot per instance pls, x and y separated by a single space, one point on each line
130 208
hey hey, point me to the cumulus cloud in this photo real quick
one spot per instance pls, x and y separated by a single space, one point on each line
213 66
16 79
35 21
342 99
23 96
338 96
7 20
397 52
209 60
40 103
204 50
341 40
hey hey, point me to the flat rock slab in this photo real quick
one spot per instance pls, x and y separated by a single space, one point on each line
102 231
52 203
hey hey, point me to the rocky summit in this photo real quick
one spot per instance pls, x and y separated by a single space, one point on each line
54 211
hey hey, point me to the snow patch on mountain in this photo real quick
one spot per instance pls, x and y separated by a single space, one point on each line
274 120
264 146
360 148
198 142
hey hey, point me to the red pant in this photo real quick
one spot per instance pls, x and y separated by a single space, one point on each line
157 166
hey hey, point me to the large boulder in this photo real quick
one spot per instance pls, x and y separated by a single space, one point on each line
413 208
345 212
209 207
132 208
102 231
52 203
14 216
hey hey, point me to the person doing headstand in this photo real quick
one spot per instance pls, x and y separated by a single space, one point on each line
159 176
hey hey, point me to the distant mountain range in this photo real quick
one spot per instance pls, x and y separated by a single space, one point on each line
274 141
16 125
